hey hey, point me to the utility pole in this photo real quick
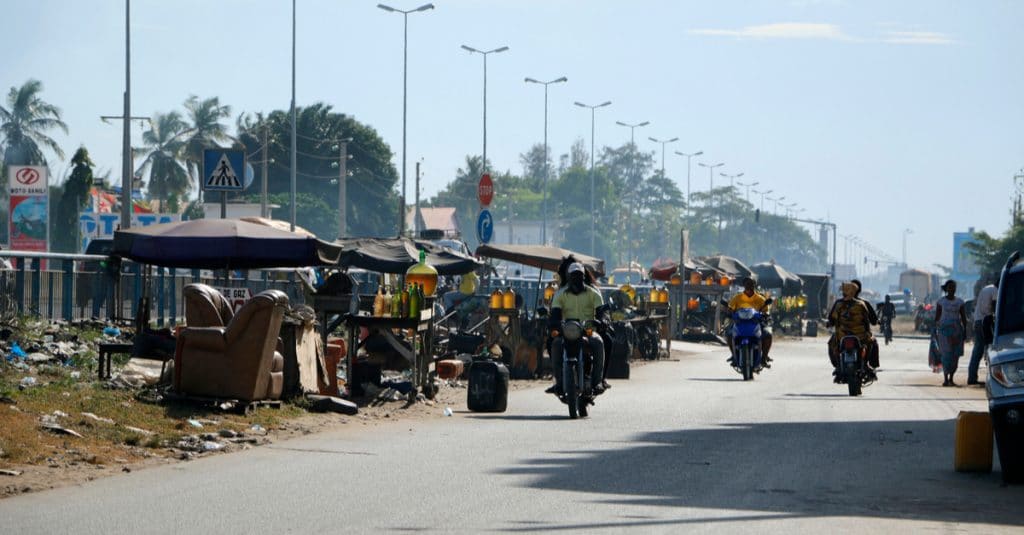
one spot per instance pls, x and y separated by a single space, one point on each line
263 185
416 215
343 157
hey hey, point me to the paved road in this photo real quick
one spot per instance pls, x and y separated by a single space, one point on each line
683 446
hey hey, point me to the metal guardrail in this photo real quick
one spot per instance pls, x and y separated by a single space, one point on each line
57 286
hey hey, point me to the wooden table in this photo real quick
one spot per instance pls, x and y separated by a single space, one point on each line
419 355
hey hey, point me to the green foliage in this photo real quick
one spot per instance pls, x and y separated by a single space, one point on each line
24 124
164 149
992 253
74 198
371 197
311 213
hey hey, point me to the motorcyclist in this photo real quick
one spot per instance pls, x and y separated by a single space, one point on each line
579 301
886 313
749 298
851 317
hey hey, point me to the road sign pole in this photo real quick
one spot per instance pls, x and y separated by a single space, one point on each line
223 205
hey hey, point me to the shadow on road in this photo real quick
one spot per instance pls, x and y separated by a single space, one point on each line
882 469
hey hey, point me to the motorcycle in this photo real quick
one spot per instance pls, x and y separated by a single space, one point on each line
747 358
853 368
576 367
887 329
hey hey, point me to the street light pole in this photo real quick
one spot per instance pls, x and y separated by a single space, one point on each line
544 227
632 197
405 93
905 232
485 53
689 198
126 161
663 143
294 151
747 186
762 194
592 114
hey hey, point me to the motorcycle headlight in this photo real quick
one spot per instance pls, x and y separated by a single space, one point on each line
745 313
1010 374
572 330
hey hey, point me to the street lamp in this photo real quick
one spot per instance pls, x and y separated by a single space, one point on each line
688 157
544 227
776 200
731 178
663 143
711 179
485 54
762 194
405 107
592 113
905 232
747 186
632 202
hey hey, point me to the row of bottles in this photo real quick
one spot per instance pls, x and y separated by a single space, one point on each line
399 303
723 280
659 295
503 298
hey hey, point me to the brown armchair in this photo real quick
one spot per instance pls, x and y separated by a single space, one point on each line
239 360
205 306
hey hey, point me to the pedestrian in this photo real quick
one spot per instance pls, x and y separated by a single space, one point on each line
984 311
950 326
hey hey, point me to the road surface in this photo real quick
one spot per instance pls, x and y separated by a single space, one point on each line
684 445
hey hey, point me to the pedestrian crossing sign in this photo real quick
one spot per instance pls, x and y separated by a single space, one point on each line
222 170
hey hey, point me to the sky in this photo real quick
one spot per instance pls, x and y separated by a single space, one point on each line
898 121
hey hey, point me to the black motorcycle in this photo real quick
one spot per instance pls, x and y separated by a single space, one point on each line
577 363
853 367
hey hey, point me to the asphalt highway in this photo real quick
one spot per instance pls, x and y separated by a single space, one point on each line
683 446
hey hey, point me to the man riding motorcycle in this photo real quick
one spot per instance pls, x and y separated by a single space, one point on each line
580 301
851 317
749 298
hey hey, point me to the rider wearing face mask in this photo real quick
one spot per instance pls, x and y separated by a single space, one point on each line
749 298
579 301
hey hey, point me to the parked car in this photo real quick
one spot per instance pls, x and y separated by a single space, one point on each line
1005 385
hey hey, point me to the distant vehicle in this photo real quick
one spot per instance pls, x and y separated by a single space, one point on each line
1005 386
904 304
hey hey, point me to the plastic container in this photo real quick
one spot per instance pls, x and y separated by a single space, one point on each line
488 387
449 368
333 353
496 299
508 299
424 274
973 451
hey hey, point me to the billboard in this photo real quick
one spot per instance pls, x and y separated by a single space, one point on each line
28 223
102 225
965 266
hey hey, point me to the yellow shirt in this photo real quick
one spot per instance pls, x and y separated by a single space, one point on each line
742 300
577 306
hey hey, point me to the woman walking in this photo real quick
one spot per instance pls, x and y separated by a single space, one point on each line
950 326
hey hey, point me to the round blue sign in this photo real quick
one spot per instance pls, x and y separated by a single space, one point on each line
485 226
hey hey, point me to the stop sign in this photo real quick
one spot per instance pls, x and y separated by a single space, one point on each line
485 190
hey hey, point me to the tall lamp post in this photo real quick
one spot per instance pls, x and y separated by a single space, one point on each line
485 53
762 194
689 199
629 220
747 186
544 227
663 143
592 113
405 106
905 232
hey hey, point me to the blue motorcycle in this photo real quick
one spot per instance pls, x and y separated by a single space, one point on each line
747 358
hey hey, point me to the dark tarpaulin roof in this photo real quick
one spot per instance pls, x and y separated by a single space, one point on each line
221 244
664 273
771 275
396 255
539 256
727 264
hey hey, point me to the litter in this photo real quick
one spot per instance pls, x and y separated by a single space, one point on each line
195 423
448 411
60 429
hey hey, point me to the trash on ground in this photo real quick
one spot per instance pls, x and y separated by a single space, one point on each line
55 428
97 418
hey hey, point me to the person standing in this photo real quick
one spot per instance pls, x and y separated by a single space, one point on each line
984 310
950 326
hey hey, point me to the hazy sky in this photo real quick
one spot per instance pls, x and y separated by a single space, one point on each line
879 115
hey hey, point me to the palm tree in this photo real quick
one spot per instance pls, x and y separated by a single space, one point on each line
205 131
24 124
164 145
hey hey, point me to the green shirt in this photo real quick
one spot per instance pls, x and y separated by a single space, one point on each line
577 306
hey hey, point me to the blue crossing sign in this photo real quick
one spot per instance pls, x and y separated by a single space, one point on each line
485 226
223 170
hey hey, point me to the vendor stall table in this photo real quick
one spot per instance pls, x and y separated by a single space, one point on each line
680 294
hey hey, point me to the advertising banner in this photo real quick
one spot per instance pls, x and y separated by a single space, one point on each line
28 215
102 225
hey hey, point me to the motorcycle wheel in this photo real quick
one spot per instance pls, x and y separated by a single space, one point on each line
583 409
853 383
572 395
747 356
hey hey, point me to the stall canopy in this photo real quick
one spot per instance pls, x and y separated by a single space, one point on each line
665 272
396 255
772 275
728 265
222 244
539 256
